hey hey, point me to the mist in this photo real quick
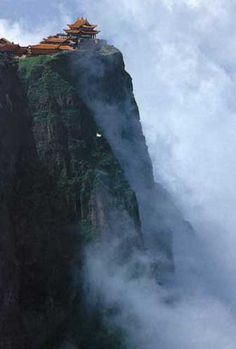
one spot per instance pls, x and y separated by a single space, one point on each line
182 60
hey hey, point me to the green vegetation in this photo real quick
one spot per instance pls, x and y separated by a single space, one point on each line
28 65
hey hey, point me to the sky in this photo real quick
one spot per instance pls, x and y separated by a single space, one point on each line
182 58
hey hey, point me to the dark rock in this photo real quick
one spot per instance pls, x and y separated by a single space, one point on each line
74 167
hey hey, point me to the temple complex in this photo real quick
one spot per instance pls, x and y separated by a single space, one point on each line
77 34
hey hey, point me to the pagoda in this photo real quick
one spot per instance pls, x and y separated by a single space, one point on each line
81 29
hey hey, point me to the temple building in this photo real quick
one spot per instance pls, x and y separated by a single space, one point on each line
10 48
81 29
4 41
57 40
48 49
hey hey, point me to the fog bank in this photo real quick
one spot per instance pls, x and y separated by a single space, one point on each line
182 60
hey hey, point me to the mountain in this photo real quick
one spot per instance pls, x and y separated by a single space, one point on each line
74 169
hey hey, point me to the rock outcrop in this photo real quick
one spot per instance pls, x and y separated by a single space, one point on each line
74 167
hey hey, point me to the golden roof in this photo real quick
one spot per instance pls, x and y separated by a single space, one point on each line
81 22
55 40
15 49
78 23
66 48
46 46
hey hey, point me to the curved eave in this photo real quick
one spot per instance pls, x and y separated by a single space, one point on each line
78 32
82 26
88 33
79 22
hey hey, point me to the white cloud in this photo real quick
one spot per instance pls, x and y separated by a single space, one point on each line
15 32
195 321
29 27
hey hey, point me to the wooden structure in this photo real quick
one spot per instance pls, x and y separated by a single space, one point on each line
82 29
48 49
57 40
11 48
4 41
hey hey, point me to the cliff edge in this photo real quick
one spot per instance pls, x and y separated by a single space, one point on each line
74 168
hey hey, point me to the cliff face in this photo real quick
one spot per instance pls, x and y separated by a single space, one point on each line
71 145
16 149
74 167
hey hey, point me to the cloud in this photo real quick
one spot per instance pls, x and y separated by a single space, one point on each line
28 21
152 317
15 32
182 60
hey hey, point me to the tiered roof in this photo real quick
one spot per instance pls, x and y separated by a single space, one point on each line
48 49
82 28
55 40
